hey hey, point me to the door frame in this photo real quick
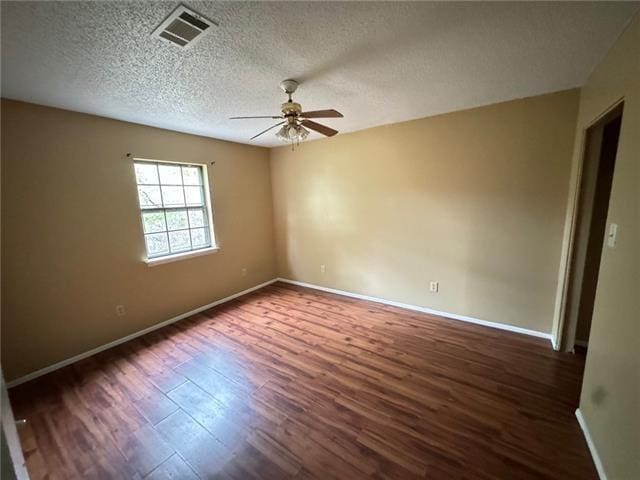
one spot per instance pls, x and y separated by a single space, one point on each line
16 467
559 339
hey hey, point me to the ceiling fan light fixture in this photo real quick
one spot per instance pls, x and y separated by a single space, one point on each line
283 134
302 132
292 133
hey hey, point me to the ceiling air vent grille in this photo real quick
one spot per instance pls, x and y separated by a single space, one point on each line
183 27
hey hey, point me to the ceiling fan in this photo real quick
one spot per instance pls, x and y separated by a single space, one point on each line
294 120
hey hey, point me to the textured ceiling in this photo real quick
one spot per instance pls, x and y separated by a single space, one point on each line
375 62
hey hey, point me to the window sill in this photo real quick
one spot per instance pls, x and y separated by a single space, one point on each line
152 262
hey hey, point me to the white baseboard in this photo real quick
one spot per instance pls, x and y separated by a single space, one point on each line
69 361
455 316
592 448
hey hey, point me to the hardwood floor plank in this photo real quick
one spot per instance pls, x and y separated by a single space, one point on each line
292 383
155 406
146 450
204 453
174 468
222 389
219 419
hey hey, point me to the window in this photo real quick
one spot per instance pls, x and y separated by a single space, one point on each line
176 215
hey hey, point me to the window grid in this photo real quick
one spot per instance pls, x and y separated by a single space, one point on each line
184 197
185 207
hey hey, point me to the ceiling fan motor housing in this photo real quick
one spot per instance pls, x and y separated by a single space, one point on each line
291 109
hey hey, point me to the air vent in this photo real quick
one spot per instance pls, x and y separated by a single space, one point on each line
183 27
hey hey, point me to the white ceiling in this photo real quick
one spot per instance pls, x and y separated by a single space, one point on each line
377 63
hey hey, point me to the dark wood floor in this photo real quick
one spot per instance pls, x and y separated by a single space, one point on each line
292 383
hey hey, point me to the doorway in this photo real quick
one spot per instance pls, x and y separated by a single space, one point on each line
598 164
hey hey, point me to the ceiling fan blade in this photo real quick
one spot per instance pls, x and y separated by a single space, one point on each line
322 114
265 131
264 116
324 130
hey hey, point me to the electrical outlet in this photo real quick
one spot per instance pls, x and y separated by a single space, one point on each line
433 287
243 272
322 269
120 311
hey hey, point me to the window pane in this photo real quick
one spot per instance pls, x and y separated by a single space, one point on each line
196 217
199 237
179 241
170 174
146 173
173 203
193 195
153 222
191 175
149 196
177 219
172 196
157 244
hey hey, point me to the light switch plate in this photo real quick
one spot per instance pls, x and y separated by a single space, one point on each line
612 236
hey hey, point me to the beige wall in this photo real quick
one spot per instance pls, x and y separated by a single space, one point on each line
474 199
610 400
72 245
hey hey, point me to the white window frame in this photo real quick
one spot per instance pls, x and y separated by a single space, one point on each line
172 257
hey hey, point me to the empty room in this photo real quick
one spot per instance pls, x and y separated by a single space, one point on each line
320 240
